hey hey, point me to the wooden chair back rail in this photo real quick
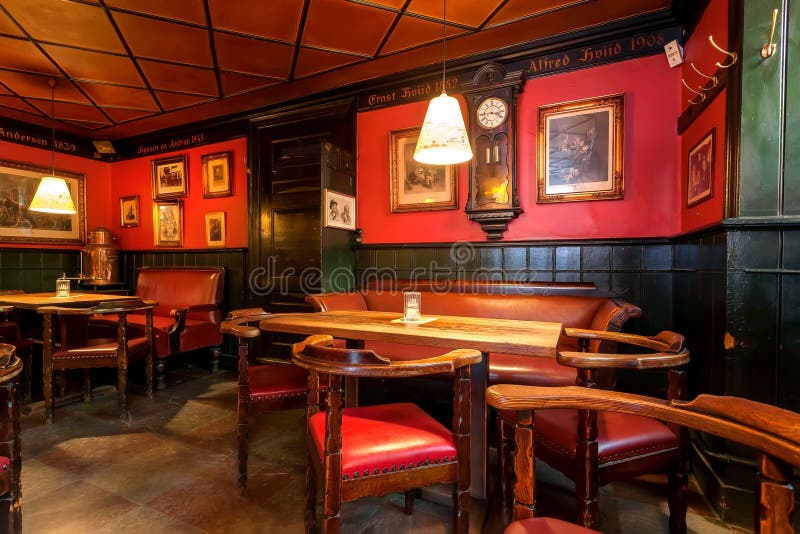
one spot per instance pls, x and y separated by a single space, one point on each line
767 429
664 341
594 360
318 355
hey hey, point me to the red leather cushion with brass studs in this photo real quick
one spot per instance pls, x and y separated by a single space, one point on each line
136 347
276 380
546 525
385 438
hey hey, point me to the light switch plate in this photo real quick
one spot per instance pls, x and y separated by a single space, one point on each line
674 53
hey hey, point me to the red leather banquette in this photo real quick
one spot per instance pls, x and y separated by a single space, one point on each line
188 314
575 305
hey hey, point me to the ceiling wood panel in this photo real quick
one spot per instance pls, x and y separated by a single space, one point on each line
20 54
183 10
96 66
273 20
127 67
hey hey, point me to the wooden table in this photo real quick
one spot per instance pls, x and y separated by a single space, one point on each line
531 338
34 301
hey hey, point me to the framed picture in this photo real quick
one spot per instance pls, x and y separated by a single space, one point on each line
216 175
700 184
170 177
168 223
416 186
129 211
18 184
580 149
339 210
215 229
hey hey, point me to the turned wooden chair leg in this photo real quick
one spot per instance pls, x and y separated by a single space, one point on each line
409 504
62 383
161 370
311 495
122 390
243 434
87 385
215 355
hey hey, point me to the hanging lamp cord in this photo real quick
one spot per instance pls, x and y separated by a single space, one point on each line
52 84
444 41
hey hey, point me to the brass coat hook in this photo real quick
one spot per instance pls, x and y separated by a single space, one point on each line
732 55
769 48
701 95
714 79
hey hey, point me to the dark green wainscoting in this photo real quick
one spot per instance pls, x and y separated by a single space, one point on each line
35 271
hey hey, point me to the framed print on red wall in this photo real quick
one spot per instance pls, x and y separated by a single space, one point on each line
700 183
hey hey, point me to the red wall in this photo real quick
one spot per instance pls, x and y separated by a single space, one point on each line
701 53
651 166
97 182
133 177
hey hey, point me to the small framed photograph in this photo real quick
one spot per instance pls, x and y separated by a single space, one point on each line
580 149
700 174
129 211
216 175
339 210
215 229
416 186
168 223
170 177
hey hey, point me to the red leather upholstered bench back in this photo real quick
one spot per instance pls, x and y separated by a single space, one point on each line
180 288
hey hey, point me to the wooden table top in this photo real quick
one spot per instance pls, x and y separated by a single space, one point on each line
533 338
33 301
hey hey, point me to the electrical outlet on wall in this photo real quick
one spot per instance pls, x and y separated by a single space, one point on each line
674 53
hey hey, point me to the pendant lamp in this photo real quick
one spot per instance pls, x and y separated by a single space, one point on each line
443 138
52 195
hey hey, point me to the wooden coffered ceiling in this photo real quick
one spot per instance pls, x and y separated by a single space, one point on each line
127 67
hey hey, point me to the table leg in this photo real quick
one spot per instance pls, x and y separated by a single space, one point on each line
480 381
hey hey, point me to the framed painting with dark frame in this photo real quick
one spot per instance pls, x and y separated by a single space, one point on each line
168 223
339 210
215 229
416 186
18 184
170 177
129 213
216 174
700 170
580 150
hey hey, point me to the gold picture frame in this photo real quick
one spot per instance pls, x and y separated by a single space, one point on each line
168 223
216 175
18 184
580 150
215 229
700 170
416 186
129 213
170 177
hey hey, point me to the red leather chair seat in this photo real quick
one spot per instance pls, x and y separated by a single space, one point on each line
387 437
546 525
137 346
5 474
619 436
271 381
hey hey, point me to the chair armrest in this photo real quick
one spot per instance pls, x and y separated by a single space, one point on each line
240 330
593 360
236 322
664 341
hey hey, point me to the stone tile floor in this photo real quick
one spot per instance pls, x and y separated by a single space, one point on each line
172 468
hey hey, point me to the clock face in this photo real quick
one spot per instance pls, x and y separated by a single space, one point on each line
492 112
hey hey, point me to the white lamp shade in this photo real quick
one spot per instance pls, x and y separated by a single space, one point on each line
52 196
443 139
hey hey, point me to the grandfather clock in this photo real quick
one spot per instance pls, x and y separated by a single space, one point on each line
492 102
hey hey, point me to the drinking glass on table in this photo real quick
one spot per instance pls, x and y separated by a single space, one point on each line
412 305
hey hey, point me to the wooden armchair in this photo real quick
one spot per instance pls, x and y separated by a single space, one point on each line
593 449
10 333
10 460
273 385
773 432
375 450
78 350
